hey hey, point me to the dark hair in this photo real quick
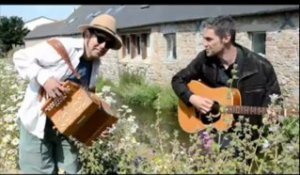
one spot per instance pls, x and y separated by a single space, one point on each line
222 25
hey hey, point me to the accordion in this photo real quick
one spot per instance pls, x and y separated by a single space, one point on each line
79 113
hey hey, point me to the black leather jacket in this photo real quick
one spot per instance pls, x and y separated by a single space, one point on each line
256 79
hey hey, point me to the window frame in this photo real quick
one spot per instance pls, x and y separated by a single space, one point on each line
171 46
135 45
253 37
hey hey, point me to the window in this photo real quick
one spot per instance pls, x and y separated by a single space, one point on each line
135 45
144 44
138 45
128 45
258 42
171 45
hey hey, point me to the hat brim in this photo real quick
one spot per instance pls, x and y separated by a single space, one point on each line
117 39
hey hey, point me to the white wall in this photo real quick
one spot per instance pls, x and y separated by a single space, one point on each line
39 21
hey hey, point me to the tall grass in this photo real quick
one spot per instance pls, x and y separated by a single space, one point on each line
123 153
133 89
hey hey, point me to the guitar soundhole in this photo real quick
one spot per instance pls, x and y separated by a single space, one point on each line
206 118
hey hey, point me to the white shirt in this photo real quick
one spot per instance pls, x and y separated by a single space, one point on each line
38 63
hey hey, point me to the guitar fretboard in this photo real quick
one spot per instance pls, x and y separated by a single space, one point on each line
246 110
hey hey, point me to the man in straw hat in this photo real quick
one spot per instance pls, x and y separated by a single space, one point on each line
42 149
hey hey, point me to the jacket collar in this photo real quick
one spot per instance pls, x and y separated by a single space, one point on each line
246 65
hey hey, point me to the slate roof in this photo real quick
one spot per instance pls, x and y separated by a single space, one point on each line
130 16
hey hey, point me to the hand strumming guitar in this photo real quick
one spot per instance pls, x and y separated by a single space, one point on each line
202 104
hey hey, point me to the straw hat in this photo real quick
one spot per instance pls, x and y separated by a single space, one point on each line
106 23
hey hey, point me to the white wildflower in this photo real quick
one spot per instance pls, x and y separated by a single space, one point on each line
6 138
122 140
133 128
61 171
8 118
120 110
10 109
10 128
99 94
106 89
8 68
14 86
266 144
131 118
2 153
133 140
290 148
274 98
128 110
273 128
15 141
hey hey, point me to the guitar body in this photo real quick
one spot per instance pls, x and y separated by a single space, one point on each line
188 117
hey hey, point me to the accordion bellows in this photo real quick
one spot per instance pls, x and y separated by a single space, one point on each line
80 114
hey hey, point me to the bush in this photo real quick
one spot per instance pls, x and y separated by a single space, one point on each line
133 89
168 100
123 151
101 82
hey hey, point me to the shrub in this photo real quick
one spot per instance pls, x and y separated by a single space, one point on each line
123 151
168 101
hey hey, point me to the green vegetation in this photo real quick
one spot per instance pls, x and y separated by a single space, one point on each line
131 148
134 90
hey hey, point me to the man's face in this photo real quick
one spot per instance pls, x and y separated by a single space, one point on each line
97 44
213 44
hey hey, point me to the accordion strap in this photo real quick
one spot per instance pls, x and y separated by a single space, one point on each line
61 50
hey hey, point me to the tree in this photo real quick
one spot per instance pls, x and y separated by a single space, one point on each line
12 33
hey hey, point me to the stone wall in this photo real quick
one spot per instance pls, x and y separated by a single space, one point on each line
282 49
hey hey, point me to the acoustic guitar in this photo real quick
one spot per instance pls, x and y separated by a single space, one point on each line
229 103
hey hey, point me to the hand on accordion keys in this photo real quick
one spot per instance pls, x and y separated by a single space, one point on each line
81 114
57 101
54 88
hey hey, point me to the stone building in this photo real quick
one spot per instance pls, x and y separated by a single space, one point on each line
160 40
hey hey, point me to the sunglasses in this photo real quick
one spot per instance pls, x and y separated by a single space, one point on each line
101 37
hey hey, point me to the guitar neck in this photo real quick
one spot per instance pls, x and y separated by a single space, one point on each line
246 110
